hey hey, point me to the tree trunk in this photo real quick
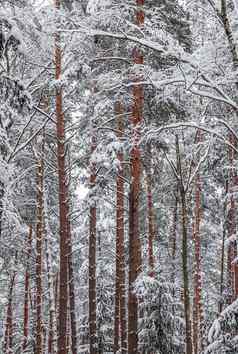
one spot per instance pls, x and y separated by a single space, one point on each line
92 260
52 330
232 252
63 200
150 216
1 205
120 296
197 309
72 298
186 296
68 333
8 337
56 297
228 32
174 228
26 293
220 305
231 228
134 237
39 244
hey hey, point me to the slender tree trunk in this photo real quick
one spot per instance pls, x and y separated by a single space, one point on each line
220 305
174 254
8 337
92 260
34 318
26 293
1 205
72 308
72 299
134 237
230 252
52 330
51 334
231 221
100 339
120 296
56 297
232 273
197 309
197 313
63 200
186 296
3 153
150 216
68 334
39 244
44 340
174 237
228 31
234 223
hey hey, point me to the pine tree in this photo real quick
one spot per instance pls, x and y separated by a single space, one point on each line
63 199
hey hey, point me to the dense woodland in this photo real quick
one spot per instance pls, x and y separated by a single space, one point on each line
118 176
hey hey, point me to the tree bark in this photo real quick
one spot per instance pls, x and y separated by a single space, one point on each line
134 237
63 200
220 305
92 260
231 228
72 298
174 237
197 309
120 296
228 31
26 293
39 244
150 215
8 337
52 330
186 296
232 249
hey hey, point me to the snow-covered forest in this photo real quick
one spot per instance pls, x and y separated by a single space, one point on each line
118 176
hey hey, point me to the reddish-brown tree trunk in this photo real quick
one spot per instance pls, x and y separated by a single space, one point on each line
26 293
39 244
134 237
92 260
63 200
120 296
